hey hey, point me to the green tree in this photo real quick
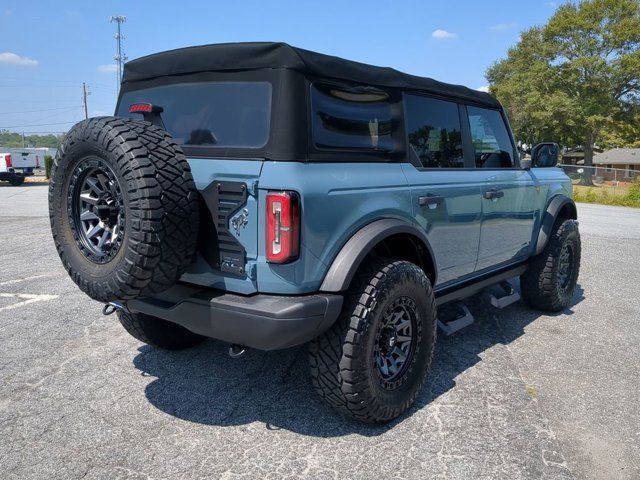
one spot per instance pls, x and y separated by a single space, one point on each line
15 140
575 79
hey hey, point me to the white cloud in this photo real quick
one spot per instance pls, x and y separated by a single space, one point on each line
552 4
13 59
8 13
484 88
111 68
443 35
504 26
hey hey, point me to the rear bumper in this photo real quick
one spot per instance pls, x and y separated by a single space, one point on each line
18 172
264 322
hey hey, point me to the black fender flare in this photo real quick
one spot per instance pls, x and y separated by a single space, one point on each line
557 203
349 258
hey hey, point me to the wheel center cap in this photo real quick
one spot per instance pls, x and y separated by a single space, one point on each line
388 340
393 338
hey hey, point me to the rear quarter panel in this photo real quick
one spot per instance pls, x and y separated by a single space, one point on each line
337 200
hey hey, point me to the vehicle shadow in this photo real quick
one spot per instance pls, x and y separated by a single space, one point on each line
204 385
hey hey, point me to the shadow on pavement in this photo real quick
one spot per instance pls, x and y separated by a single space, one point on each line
204 385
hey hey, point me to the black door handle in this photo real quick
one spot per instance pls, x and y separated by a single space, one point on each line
432 201
493 193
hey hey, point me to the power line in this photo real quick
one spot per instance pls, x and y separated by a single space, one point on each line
67 107
39 125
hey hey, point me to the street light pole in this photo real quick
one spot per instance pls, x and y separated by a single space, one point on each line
120 56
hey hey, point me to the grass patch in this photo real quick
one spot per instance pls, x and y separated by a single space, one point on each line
623 197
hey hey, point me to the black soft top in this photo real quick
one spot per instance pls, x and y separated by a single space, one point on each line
269 55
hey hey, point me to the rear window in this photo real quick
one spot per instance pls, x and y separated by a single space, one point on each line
210 114
354 118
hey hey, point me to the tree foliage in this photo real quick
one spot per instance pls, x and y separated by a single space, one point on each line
576 79
15 140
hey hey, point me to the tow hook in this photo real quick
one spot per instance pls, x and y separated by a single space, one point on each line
111 307
236 351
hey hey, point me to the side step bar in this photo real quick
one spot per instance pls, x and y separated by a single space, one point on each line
472 287
453 315
450 325
507 295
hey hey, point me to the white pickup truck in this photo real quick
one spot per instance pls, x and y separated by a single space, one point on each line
15 166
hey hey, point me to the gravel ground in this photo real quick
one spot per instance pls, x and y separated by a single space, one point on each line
518 394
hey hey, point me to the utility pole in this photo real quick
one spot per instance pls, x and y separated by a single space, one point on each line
120 56
84 100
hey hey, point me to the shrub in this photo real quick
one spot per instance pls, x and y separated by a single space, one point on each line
634 192
48 163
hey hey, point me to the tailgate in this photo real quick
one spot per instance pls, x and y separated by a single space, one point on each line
23 160
228 238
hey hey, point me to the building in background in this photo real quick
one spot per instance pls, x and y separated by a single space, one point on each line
621 164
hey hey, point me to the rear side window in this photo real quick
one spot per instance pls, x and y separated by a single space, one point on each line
215 114
491 141
358 118
433 129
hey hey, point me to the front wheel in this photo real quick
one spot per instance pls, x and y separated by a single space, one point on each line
372 364
550 281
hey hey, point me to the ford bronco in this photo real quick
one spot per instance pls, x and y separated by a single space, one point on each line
269 196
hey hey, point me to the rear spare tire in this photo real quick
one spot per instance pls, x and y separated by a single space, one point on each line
123 208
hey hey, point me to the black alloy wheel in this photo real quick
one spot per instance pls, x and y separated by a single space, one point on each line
96 210
396 341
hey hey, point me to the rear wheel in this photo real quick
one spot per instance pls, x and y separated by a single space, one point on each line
16 180
550 281
372 364
157 332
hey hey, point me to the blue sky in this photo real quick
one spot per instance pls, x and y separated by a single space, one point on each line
48 48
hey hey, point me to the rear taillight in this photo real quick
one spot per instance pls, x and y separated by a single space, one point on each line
7 160
283 227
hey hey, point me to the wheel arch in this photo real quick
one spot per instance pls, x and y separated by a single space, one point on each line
560 206
385 237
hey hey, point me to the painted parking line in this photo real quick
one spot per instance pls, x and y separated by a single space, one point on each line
26 279
26 298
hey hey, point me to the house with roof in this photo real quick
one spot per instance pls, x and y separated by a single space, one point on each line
621 164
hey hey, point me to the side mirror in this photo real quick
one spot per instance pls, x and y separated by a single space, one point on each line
545 154
525 163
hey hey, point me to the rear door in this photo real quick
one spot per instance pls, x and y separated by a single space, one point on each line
207 117
509 194
445 196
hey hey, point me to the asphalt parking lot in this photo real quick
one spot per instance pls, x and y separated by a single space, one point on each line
519 394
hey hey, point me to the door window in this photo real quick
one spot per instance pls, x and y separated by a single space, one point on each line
434 133
491 142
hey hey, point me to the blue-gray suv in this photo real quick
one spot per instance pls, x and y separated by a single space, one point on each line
269 196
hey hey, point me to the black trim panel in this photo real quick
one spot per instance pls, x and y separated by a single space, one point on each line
223 200
549 219
348 260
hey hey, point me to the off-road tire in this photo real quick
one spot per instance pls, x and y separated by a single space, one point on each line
159 201
343 369
16 180
540 284
157 332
